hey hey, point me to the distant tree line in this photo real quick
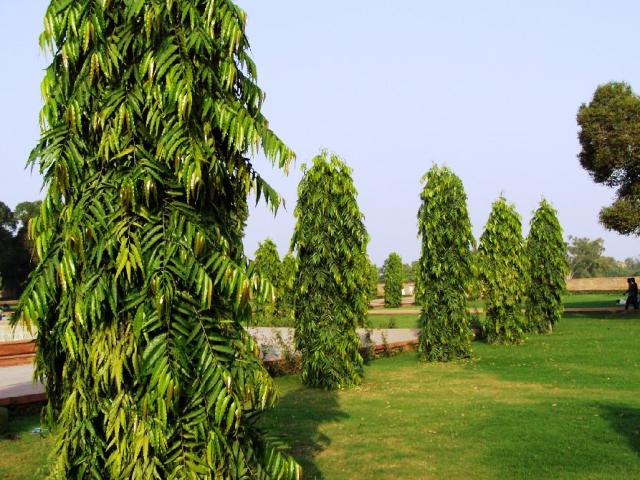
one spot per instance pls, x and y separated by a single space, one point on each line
16 259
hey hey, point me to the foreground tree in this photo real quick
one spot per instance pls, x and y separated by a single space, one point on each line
548 268
267 264
332 283
393 281
503 273
445 268
610 140
142 285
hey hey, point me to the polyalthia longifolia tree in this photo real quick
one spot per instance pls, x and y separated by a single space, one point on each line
267 264
445 268
610 140
373 280
503 273
393 281
331 293
547 259
286 300
142 286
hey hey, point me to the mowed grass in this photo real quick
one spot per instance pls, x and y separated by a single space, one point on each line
404 320
23 454
565 406
592 300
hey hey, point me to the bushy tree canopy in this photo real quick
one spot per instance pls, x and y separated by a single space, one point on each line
445 269
331 293
142 286
393 281
548 268
503 273
586 259
610 140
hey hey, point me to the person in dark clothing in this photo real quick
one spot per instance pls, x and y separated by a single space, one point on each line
632 294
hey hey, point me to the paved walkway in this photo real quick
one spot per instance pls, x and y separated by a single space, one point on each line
17 381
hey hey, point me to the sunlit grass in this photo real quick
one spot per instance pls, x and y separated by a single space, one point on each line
559 406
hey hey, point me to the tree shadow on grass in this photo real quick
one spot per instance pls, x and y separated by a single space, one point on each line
298 419
625 420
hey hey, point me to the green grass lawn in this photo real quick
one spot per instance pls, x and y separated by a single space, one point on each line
564 406
23 454
591 300
394 321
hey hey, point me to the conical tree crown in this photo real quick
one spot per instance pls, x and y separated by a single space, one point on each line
151 109
332 280
548 268
393 281
444 268
503 273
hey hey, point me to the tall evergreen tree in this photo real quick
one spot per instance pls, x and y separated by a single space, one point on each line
503 273
267 264
286 301
373 280
445 268
332 283
142 286
393 281
548 268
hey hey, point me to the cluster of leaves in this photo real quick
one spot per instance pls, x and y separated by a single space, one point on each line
142 286
16 259
503 273
547 258
332 285
610 140
393 281
445 268
276 308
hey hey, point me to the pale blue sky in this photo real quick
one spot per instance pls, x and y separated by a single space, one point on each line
490 89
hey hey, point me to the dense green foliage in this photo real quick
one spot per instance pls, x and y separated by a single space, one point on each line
267 264
142 286
547 261
445 267
393 281
503 273
332 285
16 259
610 140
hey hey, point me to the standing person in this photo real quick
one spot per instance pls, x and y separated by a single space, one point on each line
632 294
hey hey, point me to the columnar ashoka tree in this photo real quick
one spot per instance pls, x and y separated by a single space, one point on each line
267 264
503 273
151 109
445 269
332 280
393 281
548 268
